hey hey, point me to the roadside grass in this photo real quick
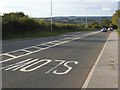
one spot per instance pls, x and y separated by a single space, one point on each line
118 31
41 34
26 35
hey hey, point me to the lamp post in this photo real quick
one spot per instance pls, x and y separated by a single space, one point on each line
100 21
119 5
86 17
51 16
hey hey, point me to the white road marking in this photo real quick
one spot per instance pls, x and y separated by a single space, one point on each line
24 66
9 55
24 69
26 51
68 70
20 65
21 62
94 66
61 62
56 44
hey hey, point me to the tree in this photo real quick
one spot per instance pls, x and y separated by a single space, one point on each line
18 23
94 23
115 18
16 14
106 22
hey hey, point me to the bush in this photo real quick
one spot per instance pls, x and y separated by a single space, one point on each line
96 26
18 23
89 26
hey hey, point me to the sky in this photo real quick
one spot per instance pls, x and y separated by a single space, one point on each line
42 8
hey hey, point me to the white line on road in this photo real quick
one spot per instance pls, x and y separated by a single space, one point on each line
61 62
9 55
85 85
55 43
30 65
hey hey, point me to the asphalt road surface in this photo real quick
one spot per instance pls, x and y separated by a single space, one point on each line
54 62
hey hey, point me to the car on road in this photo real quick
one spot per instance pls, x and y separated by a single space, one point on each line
104 29
110 29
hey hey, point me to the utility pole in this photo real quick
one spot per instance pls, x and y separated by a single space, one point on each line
51 17
119 5
1 14
100 21
86 17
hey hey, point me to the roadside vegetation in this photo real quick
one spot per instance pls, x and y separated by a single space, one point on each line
115 20
19 25
118 33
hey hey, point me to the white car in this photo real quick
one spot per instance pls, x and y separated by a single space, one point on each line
110 29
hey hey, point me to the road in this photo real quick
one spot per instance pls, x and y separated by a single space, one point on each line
53 62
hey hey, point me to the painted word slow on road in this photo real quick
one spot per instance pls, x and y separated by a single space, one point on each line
25 66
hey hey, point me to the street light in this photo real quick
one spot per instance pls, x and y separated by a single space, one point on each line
51 15
86 17
100 21
119 5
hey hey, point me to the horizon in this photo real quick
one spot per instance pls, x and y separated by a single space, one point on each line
71 16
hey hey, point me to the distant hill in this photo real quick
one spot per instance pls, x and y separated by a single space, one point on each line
75 19
82 17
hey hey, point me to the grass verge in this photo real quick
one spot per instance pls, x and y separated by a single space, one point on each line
118 31
40 34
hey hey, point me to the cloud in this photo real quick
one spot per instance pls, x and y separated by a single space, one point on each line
38 1
84 0
39 8
106 9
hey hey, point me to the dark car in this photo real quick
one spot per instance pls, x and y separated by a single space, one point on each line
104 29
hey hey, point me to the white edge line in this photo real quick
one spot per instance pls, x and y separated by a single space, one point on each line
86 83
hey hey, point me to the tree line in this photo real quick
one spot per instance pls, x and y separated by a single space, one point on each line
18 23
115 17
